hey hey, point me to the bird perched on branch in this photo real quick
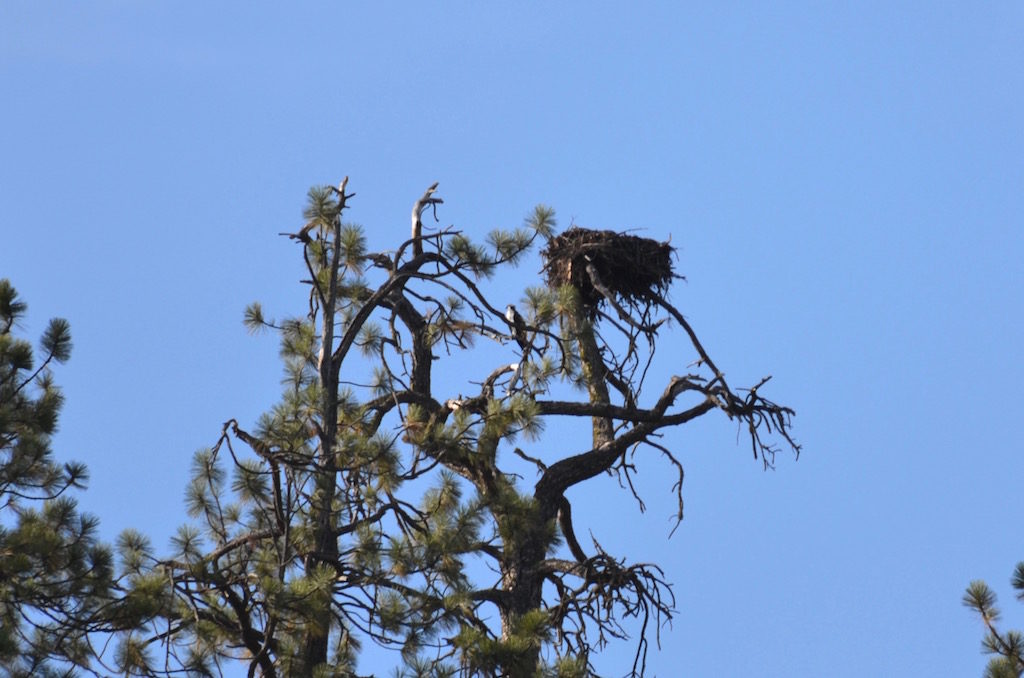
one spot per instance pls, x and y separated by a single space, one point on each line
518 327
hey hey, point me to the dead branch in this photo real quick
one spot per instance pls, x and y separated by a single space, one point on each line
427 199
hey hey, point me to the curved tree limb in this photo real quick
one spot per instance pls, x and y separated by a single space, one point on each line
427 199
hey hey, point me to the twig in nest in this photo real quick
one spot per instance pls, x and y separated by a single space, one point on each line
595 280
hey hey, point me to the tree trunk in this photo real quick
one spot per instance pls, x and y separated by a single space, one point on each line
594 373
325 541
523 584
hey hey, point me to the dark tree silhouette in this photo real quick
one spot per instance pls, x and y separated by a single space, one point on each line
57 584
404 490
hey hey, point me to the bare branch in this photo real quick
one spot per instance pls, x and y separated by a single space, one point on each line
609 296
427 199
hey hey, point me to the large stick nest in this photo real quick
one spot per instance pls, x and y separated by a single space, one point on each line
634 269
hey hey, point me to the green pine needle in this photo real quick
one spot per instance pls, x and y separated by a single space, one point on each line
56 341
981 598
1017 581
543 221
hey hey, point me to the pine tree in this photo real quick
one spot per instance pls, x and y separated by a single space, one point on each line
378 502
56 578
1008 646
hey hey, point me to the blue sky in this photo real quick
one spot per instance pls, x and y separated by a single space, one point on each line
843 182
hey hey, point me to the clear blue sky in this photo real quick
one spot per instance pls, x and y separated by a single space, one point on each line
844 184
